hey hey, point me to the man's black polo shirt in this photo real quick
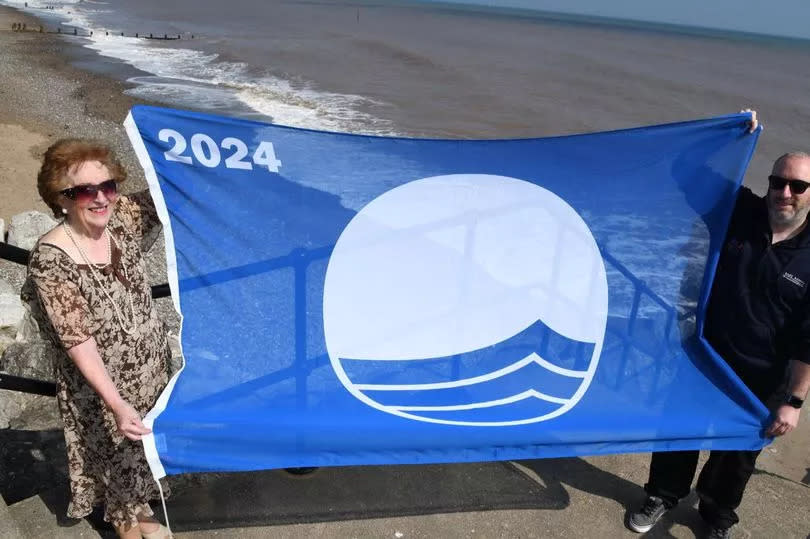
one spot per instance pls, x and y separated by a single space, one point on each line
758 316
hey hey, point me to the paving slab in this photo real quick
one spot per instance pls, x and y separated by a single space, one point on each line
8 525
576 497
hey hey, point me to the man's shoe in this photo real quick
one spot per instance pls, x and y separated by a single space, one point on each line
647 515
719 533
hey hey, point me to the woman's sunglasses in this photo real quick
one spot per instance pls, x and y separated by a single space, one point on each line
778 183
85 194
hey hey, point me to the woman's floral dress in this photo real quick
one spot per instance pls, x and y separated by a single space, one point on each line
70 307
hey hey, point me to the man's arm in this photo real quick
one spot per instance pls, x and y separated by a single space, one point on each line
753 123
786 417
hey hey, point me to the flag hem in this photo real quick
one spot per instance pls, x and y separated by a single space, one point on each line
150 441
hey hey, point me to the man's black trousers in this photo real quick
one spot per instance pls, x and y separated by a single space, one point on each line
720 486
722 480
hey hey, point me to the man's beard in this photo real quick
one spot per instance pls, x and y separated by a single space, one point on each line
794 217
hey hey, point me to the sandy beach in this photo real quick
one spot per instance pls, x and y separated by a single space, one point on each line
44 98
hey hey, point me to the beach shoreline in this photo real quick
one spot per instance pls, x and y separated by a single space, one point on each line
43 98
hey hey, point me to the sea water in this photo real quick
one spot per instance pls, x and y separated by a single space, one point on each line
428 70
420 69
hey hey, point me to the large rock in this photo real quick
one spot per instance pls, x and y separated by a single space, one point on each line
11 311
28 329
30 412
25 228
5 342
29 360
21 410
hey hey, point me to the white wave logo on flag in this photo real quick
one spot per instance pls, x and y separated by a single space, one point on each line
466 299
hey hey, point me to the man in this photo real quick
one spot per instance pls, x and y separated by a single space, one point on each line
758 320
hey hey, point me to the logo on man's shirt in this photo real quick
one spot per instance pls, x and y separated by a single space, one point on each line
795 280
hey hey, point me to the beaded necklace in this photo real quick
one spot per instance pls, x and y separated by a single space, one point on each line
129 329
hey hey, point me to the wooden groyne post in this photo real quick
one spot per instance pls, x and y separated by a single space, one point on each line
75 31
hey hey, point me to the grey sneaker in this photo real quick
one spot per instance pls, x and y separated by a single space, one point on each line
647 515
719 533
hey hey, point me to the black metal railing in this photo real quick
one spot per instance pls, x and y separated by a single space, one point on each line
300 259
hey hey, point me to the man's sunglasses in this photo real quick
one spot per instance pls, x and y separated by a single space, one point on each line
778 183
85 194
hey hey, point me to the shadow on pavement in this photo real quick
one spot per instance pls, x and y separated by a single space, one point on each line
215 500
586 477
33 463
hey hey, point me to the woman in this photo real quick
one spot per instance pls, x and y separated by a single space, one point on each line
89 293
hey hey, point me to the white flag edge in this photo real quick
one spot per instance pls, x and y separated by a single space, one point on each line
149 441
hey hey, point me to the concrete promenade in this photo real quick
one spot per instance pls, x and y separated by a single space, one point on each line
575 497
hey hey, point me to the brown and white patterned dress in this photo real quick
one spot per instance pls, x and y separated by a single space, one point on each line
70 307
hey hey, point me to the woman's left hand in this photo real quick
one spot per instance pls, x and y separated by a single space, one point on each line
89 362
129 421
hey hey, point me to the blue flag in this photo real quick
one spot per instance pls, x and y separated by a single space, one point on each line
352 299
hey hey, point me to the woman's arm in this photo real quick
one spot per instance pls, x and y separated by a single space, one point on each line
137 213
89 363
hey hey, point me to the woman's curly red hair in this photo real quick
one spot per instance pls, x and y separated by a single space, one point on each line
64 156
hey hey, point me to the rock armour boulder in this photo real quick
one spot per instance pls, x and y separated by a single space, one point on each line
26 228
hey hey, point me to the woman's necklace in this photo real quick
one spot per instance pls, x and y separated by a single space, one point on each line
129 329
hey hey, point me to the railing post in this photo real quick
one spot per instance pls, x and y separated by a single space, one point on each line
27 385
300 264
